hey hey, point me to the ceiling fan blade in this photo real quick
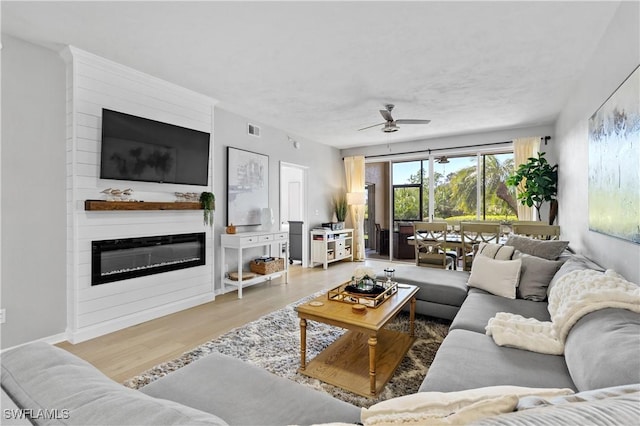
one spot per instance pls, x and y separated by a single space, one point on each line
412 121
368 127
386 115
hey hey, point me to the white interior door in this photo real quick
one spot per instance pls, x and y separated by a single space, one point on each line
294 194
293 202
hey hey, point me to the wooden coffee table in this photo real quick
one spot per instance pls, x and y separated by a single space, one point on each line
365 357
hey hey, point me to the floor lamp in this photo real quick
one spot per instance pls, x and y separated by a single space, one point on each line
356 199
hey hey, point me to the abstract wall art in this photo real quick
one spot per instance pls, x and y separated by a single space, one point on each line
614 163
247 186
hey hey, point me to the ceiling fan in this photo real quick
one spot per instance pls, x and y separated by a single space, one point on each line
390 125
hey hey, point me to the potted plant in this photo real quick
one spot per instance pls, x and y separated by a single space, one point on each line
340 209
537 181
208 202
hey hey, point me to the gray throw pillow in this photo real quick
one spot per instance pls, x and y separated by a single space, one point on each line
535 276
547 249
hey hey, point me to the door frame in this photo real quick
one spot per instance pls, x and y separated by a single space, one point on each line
370 188
305 206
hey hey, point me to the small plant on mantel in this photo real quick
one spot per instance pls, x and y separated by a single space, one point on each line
208 201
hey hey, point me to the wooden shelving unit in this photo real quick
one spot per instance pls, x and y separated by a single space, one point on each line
101 205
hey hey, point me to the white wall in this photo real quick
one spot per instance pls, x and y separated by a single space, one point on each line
325 178
33 192
616 56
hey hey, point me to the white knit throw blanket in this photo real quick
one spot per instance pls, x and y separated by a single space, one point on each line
573 296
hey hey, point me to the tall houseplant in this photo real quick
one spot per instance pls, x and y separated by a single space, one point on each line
537 181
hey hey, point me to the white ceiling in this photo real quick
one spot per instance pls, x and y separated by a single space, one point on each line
322 70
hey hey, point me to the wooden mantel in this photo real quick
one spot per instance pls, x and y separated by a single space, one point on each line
101 205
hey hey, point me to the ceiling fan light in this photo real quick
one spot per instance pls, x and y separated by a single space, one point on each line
390 128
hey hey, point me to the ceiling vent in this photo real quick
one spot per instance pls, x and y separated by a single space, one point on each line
253 130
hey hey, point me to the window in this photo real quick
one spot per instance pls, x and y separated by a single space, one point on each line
407 191
456 182
498 201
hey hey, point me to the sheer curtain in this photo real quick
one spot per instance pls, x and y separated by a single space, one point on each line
523 148
355 174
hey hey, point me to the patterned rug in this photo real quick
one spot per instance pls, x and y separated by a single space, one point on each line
272 342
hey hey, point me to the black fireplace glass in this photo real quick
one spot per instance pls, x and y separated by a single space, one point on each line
125 258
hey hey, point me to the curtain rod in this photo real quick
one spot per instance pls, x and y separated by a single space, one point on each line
544 138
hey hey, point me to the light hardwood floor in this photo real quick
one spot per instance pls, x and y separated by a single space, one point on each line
125 353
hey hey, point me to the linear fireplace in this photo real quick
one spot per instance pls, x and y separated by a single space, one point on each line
125 258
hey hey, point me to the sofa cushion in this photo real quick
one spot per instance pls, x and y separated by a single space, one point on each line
602 349
535 276
480 306
468 360
39 376
547 249
499 277
618 410
244 394
535 401
435 285
453 408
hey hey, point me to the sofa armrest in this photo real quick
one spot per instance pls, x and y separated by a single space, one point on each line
55 387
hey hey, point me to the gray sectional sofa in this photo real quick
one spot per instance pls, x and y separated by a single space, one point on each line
601 362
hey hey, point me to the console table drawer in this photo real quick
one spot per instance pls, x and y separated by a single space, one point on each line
249 240
283 236
266 238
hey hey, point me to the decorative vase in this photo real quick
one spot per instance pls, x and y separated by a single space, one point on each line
365 283
266 219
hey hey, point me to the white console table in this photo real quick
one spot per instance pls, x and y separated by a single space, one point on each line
331 246
245 240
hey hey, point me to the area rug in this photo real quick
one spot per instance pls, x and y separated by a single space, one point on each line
272 342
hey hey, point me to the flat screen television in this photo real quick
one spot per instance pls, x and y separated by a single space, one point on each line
139 149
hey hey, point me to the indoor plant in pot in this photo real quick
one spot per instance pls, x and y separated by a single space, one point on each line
537 181
208 202
340 210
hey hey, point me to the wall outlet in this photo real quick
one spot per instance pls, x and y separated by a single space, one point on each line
3 315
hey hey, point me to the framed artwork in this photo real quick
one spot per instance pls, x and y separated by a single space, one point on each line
614 163
247 186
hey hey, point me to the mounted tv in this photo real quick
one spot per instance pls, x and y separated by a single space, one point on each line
139 149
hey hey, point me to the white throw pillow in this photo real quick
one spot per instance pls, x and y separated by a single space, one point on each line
499 277
442 408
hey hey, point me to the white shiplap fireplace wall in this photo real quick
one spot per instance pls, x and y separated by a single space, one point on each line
94 83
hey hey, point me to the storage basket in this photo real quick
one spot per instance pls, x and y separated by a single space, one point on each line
265 268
